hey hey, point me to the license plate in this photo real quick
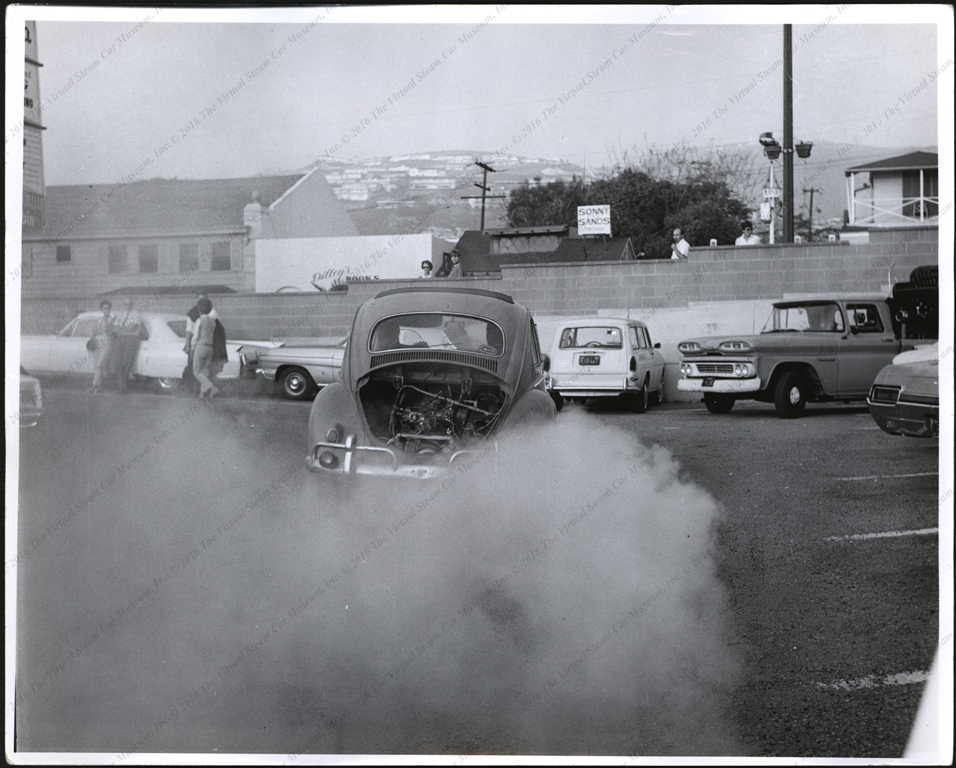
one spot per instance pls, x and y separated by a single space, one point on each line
709 381
589 360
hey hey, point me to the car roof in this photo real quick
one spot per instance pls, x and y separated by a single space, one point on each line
473 291
599 320
791 301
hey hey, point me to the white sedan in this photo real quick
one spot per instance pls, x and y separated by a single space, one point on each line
160 357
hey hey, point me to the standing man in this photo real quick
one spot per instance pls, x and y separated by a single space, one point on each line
128 330
748 237
101 345
680 247
202 345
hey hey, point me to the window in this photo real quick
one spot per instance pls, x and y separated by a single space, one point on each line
118 254
221 257
914 198
64 254
149 258
438 331
84 328
188 258
591 336
864 318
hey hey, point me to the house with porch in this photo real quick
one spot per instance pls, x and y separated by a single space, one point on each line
897 192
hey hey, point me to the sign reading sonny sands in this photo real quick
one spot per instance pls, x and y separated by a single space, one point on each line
594 219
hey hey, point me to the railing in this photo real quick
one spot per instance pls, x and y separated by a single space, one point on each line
895 210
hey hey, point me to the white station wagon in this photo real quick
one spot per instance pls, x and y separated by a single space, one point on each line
606 357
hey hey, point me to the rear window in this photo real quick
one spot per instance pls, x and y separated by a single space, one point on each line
591 336
178 327
437 331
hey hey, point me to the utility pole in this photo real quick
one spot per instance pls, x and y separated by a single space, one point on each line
485 189
787 134
810 224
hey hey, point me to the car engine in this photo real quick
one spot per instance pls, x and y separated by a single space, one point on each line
442 420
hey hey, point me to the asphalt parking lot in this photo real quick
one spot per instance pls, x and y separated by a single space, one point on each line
671 583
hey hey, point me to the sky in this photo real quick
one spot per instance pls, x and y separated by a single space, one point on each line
216 94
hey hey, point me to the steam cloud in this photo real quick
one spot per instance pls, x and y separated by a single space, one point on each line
557 597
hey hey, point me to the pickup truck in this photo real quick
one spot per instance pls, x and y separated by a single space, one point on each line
809 350
300 367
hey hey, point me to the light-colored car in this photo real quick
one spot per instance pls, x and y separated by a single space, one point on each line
31 400
299 367
160 358
606 357
904 398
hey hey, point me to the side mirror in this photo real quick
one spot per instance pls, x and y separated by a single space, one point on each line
546 363
657 345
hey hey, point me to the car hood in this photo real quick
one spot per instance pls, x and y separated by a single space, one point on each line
710 345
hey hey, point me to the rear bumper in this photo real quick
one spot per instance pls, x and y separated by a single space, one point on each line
578 385
911 419
349 459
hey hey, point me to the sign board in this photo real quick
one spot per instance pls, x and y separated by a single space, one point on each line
594 219
321 263
771 194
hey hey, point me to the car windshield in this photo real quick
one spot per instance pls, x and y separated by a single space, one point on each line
437 331
814 317
591 336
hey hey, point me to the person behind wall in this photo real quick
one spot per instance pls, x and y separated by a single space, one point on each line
455 264
747 236
101 345
427 269
680 247
129 331
203 340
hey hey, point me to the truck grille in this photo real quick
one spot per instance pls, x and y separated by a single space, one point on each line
712 368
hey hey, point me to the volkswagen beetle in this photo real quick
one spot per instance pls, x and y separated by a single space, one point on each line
429 377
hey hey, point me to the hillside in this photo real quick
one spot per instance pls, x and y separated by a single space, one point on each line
424 192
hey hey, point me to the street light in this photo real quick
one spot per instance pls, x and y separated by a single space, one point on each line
772 149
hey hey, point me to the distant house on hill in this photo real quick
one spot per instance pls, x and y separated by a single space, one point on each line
171 234
898 191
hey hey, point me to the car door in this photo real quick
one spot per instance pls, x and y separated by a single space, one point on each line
161 355
68 353
865 349
656 363
642 352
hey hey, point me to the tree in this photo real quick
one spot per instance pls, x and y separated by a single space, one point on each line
540 205
650 195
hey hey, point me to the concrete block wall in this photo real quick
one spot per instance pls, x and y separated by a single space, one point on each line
705 287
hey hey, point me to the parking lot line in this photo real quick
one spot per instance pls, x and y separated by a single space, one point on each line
877 681
884 535
891 477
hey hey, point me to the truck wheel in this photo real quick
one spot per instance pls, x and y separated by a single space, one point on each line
297 384
790 396
719 403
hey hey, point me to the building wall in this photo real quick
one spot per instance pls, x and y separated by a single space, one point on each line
886 194
87 273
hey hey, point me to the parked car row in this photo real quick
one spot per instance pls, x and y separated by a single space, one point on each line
440 368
